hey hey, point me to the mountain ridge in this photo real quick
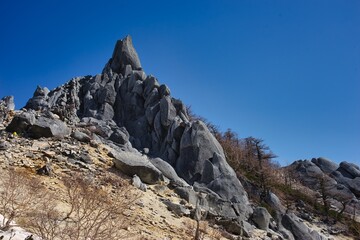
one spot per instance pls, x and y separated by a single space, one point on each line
150 134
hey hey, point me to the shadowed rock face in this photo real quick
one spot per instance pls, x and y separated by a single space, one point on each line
125 96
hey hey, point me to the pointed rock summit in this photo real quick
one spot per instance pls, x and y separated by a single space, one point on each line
124 55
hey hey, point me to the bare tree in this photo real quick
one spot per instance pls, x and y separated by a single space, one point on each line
256 149
19 194
90 213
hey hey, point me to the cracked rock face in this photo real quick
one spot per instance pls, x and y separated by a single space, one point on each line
123 105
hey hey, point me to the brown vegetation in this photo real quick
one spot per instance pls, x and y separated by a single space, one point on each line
83 211
19 195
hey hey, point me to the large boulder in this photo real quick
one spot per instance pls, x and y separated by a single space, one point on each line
132 163
46 127
299 230
167 111
81 136
261 218
349 170
120 136
38 126
168 171
202 161
326 165
197 147
177 209
21 122
354 186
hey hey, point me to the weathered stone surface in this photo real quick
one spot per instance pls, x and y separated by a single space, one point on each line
261 218
178 209
298 228
151 113
164 90
326 165
38 101
45 127
21 122
150 83
132 163
188 194
202 160
138 88
197 145
341 183
124 54
136 182
80 136
36 127
168 171
349 170
236 226
99 127
120 136
167 111
275 202
354 186
152 98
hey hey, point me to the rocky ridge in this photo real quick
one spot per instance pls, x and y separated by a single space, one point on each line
338 182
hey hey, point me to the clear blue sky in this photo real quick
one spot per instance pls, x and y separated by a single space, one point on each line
284 71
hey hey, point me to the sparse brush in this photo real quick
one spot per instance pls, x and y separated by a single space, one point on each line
90 213
83 211
19 195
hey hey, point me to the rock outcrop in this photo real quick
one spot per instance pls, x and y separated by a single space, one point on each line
298 229
340 183
37 126
128 109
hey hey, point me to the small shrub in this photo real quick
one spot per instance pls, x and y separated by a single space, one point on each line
19 195
90 213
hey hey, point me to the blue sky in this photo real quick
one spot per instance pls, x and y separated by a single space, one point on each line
284 71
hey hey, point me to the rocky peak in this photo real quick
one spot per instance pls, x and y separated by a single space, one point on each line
136 117
124 55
